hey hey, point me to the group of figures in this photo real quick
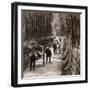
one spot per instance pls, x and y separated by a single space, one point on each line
59 46
45 54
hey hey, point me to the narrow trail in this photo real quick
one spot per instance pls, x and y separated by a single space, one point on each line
50 69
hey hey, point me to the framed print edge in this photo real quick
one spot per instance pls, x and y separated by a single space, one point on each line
14 43
86 51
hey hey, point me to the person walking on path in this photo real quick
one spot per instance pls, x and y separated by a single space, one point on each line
48 55
32 60
55 48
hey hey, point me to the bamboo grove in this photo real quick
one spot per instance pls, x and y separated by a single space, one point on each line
40 25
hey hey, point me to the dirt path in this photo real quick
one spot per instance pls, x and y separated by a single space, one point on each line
50 69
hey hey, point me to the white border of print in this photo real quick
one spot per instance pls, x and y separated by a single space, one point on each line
82 47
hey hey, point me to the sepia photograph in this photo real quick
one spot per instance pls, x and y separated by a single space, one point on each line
49 44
